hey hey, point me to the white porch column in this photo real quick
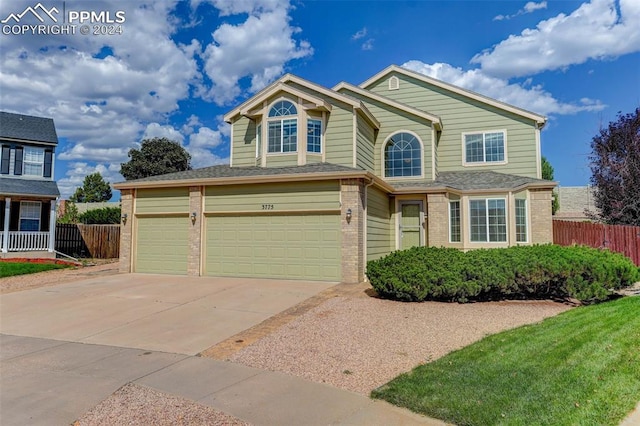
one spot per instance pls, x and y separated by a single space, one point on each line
52 225
7 211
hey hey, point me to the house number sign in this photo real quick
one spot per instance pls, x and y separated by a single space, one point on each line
267 207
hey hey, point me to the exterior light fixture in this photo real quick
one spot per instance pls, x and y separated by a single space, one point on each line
193 217
124 219
349 213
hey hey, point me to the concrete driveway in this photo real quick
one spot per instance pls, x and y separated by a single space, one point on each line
183 315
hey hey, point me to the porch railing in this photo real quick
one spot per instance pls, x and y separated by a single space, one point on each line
26 240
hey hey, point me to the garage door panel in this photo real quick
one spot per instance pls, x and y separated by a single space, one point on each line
296 246
162 245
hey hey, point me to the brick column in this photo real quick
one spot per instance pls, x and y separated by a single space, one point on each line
353 261
541 219
126 234
438 220
195 234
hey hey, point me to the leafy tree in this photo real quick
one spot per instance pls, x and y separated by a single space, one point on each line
94 189
547 173
103 216
70 213
156 156
615 170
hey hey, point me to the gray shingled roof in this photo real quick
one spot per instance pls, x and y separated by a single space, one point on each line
27 128
225 171
470 180
46 188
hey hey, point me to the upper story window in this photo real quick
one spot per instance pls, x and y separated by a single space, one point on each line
314 136
403 156
484 147
283 128
33 161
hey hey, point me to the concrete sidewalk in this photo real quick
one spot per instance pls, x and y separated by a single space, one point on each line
51 382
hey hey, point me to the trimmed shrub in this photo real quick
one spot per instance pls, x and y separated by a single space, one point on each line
525 272
102 216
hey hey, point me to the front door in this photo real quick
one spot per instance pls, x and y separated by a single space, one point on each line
410 224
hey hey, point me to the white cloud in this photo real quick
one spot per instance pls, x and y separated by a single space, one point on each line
236 7
368 45
200 145
530 97
155 130
593 31
359 34
528 8
77 171
257 48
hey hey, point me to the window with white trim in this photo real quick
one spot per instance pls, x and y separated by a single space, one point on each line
488 220
30 215
282 132
33 161
314 136
454 221
487 147
521 220
394 83
402 156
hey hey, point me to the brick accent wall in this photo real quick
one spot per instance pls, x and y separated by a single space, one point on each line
353 261
437 220
195 231
126 235
541 222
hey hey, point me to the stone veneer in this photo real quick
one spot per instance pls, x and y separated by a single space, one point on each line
438 220
353 261
541 220
195 234
126 237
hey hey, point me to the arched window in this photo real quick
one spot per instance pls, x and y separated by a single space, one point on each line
283 128
402 156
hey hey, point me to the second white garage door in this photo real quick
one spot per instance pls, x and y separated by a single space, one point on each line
274 246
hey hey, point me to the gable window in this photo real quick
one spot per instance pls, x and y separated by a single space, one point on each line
314 136
488 220
282 128
403 156
487 147
521 220
33 161
454 221
30 215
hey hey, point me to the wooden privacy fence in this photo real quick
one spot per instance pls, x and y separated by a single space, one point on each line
96 241
619 238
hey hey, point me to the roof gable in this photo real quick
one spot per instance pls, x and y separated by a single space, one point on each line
27 128
394 69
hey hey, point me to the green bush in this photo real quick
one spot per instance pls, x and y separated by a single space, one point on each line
525 272
105 216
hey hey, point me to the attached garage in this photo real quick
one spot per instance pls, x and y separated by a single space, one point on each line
162 245
162 231
295 246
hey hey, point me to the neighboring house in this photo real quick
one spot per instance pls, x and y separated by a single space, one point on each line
28 192
322 180
574 202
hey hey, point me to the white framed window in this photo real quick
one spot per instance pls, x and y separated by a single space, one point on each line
394 83
30 215
282 132
258 140
33 161
402 156
521 220
314 136
485 147
488 220
454 222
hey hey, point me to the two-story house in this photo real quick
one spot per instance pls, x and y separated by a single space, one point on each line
323 179
28 192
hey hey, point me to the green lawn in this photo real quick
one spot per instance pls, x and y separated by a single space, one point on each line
9 269
581 367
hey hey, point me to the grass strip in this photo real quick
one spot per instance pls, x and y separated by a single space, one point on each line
9 269
580 367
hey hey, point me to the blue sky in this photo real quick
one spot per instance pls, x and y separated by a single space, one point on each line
178 66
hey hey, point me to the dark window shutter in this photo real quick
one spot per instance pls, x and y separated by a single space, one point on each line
6 153
48 156
17 168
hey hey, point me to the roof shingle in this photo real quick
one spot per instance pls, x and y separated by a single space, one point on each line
27 128
45 188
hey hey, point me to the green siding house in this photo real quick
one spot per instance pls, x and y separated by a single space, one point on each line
321 180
